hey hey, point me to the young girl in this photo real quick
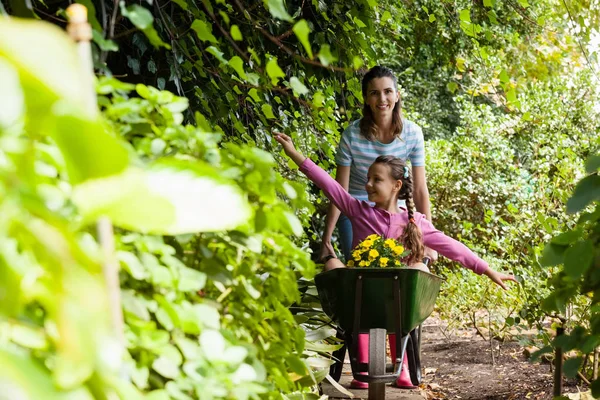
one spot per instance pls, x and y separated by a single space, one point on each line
381 131
388 180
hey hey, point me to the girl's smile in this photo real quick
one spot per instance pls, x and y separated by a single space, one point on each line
382 189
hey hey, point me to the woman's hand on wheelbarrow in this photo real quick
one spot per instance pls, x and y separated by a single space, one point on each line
288 146
499 277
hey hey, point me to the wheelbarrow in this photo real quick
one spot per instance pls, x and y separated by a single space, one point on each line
379 301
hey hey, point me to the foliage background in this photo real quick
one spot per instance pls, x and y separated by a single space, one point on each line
505 92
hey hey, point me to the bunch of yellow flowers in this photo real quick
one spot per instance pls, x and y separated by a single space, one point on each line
375 251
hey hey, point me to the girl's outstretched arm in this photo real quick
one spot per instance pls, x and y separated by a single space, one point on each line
288 146
332 189
456 251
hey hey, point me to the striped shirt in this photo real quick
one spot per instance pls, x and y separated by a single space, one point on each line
358 153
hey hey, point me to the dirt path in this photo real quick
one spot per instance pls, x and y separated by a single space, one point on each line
460 367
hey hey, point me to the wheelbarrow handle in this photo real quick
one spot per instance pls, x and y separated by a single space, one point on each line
426 261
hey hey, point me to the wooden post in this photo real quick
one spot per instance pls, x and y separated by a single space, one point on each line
558 365
81 32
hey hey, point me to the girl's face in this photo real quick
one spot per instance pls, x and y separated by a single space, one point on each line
381 186
381 96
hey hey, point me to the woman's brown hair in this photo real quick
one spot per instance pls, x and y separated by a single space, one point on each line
368 127
412 237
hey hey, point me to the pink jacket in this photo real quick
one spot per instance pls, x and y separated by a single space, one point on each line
367 220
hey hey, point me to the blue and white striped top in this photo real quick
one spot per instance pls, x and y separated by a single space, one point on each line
359 153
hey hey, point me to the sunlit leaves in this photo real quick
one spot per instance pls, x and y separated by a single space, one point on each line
23 43
173 193
238 65
204 31
12 102
325 55
274 71
298 86
277 9
236 34
578 258
88 150
302 30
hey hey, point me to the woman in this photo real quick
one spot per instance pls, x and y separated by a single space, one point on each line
381 131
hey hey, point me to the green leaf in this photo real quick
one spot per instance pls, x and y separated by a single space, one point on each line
24 43
524 3
268 111
302 30
23 378
578 258
204 31
294 223
566 238
511 96
431 18
465 15
386 16
104 44
504 78
298 86
236 34
488 3
586 191
191 280
166 367
217 53
88 150
238 65
254 94
296 364
274 71
592 164
595 386
452 86
278 10
552 255
29 337
142 19
325 55
12 101
571 366
172 191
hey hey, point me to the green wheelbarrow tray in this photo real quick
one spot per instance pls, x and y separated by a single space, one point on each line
371 300
418 292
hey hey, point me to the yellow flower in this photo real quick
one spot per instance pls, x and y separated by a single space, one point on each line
350 263
367 243
398 263
362 264
373 236
383 261
398 250
373 254
367 263
390 243
356 255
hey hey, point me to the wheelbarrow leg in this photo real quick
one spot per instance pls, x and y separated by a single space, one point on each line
414 357
377 340
336 369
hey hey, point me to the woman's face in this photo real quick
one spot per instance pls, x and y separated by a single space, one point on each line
381 97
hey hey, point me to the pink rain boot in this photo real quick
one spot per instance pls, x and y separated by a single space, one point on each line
363 358
403 381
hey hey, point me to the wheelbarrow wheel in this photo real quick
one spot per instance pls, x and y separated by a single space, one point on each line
335 371
377 354
414 357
